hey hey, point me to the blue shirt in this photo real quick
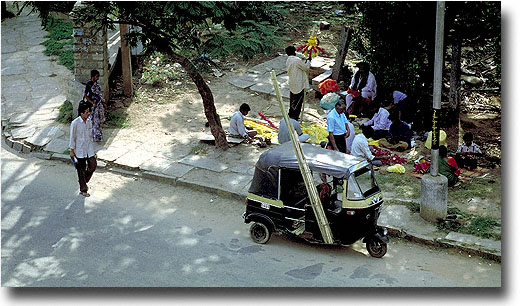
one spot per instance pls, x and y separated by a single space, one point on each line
336 123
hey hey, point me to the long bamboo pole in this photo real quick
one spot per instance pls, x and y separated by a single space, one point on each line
317 207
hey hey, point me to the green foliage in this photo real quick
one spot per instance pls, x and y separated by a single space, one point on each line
158 69
477 226
398 38
249 39
60 41
482 226
199 149
117 120
65 113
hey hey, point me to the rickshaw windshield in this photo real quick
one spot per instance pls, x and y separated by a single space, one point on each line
366 182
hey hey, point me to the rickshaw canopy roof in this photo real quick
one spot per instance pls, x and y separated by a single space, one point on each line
321 160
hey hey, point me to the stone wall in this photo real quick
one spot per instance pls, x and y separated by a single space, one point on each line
91 52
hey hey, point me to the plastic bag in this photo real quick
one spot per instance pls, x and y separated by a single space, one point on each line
397 168
329 100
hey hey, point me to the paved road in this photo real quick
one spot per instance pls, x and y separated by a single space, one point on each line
143 233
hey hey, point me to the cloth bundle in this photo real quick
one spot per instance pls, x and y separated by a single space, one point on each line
329 100
329 85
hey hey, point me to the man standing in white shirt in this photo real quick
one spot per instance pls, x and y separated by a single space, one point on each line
236 124
298 80
81 147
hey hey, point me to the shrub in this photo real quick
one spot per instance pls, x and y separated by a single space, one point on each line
65 113
116 120
248 40
60 41
157 70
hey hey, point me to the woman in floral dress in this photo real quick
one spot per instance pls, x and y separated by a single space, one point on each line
94 96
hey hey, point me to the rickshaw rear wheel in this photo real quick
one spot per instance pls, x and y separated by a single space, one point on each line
376 248
259 232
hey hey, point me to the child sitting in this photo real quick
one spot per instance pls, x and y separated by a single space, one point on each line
448 166
467 153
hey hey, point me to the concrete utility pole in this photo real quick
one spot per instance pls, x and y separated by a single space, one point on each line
434 187
126 61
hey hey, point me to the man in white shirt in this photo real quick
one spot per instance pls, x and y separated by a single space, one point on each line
352 134
283 131
362 89
81 147
236 124
360 146
380 122
298 80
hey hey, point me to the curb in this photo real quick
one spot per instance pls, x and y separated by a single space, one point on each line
443 243
159 177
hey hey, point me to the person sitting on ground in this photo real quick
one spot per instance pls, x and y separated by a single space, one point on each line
399 135
360 146
448 166
283 131
237 127
362 89
401 102
380 122
338 128
468 152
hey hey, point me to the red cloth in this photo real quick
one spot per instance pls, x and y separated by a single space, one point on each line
329 85
354 93
452 162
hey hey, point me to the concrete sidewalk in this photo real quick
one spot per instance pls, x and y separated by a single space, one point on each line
33 87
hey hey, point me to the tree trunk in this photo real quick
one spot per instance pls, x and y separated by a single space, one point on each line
207 100
454 94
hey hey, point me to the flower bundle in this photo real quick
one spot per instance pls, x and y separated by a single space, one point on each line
311 48
391 159
267 120
422 166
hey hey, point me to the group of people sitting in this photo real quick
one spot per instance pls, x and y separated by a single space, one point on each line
388 125
466 157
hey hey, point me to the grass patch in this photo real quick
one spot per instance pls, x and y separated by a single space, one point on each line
483 227
403 185
60 41
116 120
477 226
476 188
199 149
65 115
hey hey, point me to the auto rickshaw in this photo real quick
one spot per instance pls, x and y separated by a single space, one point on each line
277 200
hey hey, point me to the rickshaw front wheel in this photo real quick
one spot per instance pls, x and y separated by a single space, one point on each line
376 248
259 232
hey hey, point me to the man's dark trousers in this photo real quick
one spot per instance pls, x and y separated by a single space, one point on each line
85 167
295 107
